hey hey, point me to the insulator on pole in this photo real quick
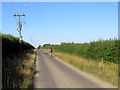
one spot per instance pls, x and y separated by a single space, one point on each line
20 22
14 14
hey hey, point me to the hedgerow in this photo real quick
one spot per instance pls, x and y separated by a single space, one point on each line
96 50
11 45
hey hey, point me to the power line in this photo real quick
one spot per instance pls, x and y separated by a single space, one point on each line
23 9
28 12
13 7
20 6
9 11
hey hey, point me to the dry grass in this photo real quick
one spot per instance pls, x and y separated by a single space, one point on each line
106 71
19 70
28 70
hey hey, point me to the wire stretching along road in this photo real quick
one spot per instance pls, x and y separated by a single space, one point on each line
52 73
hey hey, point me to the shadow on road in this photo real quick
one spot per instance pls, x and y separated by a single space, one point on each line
46 53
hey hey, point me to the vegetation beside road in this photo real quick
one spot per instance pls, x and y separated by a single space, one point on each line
106 50
105 71
98 58
11 45
17 63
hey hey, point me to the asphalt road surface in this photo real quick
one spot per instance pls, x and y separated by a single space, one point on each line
53 73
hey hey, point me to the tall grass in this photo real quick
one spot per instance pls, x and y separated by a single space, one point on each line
17 72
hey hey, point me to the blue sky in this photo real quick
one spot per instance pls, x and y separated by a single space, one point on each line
56 22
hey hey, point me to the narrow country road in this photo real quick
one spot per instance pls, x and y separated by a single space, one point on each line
52 73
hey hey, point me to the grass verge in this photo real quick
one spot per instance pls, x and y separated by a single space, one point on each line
105 71
18 70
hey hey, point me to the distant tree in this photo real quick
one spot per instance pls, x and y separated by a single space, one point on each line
63 43
72 43
39 47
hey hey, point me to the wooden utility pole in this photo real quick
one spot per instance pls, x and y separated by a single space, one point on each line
19 26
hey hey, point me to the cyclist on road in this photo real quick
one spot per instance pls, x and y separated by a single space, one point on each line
51 51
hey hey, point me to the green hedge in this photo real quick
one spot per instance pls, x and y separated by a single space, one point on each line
11 45
102 49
